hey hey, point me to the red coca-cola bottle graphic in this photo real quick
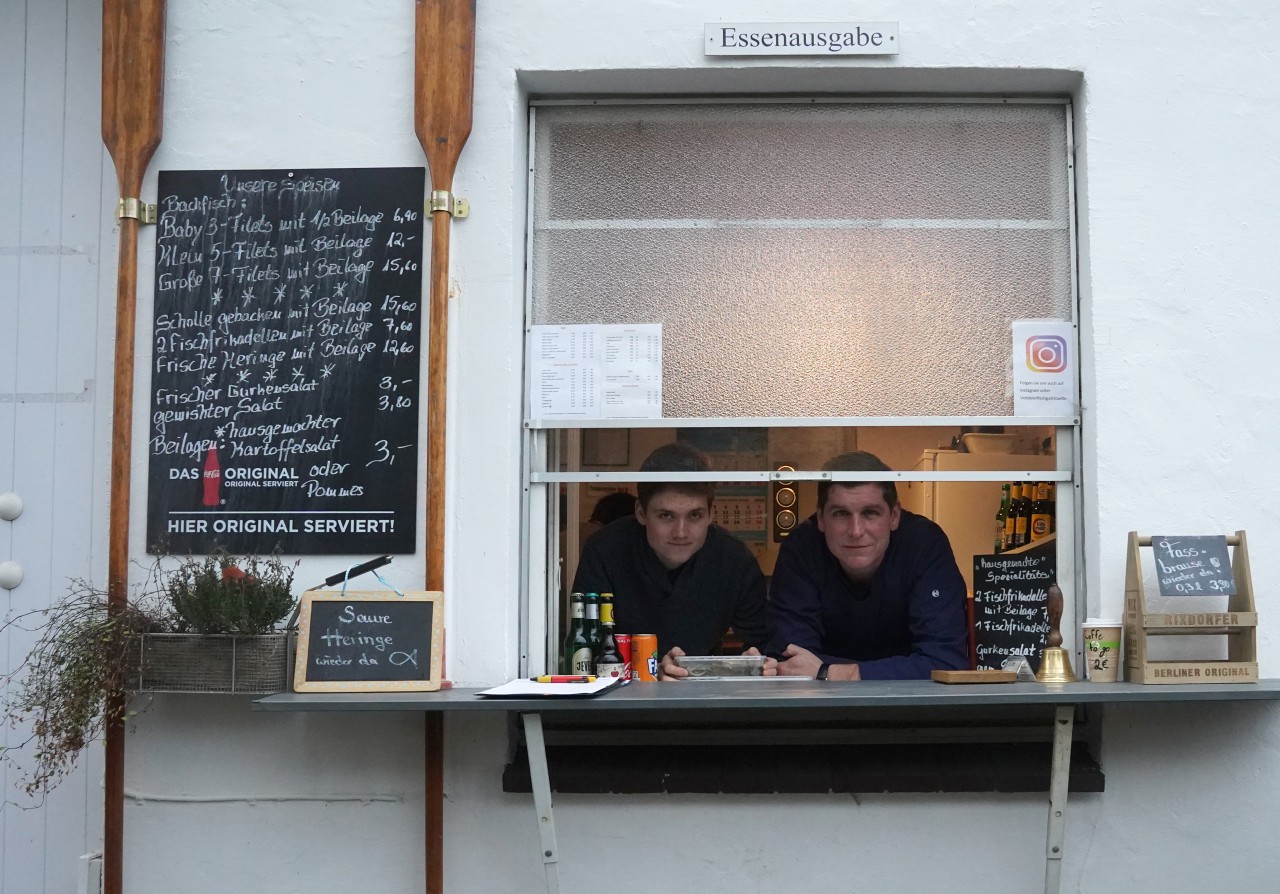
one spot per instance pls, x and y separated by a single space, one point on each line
212 478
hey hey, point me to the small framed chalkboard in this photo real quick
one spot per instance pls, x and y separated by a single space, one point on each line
1193 566
1010 593
375 641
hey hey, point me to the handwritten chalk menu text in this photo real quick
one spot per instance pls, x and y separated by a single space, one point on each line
1010 616
1193 566
285 361
368 641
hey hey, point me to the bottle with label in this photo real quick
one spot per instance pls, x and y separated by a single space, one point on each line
1053 508
1002 519
576 637
1041 524
591 635
610 663
212 478
1022 516
1010 519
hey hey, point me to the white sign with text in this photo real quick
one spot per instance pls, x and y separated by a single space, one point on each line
801 39
596 372
1044 368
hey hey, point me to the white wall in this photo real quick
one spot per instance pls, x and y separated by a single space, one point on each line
1178 184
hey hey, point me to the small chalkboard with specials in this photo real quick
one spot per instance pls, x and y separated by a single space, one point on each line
285 361
1193 566
1010 616
368 641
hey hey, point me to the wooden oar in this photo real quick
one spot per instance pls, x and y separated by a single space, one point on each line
132 112
444 69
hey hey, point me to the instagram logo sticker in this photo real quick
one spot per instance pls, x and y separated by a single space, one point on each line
1046 353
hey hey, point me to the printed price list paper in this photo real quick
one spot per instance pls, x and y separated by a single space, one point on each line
596 372
285 361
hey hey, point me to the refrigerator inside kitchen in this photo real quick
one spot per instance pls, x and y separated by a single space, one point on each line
966 510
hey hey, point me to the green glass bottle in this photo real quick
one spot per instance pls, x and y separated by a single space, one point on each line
586 663
576 638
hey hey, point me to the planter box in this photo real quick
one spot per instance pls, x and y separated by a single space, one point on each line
189 662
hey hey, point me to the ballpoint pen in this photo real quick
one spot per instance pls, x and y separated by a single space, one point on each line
564 678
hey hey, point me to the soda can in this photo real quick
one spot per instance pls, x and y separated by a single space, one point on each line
644 656
624 649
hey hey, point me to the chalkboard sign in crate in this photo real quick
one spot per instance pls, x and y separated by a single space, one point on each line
191 662
1237 621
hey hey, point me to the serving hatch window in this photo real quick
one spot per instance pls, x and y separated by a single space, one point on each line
819 277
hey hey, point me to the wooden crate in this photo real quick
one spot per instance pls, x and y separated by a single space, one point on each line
1239 623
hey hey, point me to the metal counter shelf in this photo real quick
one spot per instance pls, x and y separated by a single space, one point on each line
778 695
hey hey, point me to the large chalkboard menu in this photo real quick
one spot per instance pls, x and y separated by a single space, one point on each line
1010 616
285 361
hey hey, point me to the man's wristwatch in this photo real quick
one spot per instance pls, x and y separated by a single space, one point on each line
822 671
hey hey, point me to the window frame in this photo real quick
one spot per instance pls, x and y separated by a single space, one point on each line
541 586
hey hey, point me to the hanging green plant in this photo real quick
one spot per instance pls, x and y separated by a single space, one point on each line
88 655
72 683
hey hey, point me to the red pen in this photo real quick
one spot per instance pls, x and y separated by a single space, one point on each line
564 678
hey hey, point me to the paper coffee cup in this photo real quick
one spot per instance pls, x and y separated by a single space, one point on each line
1102 653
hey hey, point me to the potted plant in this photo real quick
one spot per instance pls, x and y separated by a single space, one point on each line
225 636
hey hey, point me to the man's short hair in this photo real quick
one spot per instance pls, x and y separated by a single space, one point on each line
857 461
676 458
612 507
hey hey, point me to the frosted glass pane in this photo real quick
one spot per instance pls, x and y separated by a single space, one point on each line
828 260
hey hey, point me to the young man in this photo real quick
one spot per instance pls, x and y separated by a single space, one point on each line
671 571
865 590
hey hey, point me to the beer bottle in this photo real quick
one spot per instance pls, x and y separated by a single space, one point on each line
585 652
1040 513
576 636
1053 508
1022 516
1010 519
1002 518
610 663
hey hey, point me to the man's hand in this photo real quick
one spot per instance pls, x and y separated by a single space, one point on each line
669 670
770 664
798 662
803 663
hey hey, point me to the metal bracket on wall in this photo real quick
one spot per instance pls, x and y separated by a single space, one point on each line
140 211
443 200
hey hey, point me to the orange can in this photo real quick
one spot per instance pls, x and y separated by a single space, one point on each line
644 656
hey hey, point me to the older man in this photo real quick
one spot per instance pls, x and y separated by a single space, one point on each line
865 590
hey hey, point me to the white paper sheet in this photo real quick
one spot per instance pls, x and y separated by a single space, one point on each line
525 688
1044 368
596 372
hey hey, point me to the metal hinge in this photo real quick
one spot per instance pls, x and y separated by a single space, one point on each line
137 209
443 200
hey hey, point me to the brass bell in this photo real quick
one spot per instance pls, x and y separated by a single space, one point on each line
1055 663
1055 667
